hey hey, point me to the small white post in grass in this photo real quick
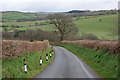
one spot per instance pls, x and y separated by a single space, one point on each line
40 60
25 66
50 54
47 57
52 51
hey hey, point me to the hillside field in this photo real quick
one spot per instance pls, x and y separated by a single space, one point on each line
15 15
100 29
88 25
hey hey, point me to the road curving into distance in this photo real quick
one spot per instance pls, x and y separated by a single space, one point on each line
67 65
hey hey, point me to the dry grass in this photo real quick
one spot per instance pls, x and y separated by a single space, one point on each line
15 48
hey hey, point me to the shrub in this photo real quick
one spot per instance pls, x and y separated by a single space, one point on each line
89 36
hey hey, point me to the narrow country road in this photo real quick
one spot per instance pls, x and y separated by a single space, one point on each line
67 65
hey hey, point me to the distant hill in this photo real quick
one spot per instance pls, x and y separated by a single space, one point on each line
76 11
15 15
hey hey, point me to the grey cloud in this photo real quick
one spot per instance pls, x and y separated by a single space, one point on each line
49 6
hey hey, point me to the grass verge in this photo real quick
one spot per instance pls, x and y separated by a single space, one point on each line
14 68
104 64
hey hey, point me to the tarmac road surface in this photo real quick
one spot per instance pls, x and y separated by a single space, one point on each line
67 65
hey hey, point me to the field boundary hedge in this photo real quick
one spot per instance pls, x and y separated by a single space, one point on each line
106 46
15 48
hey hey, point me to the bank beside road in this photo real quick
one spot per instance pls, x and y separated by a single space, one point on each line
103 63
15 67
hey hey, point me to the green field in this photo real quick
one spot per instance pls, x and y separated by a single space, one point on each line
104 64
100 29
14 68
15 15
89 25
26 25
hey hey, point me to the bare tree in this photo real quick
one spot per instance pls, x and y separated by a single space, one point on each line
64 23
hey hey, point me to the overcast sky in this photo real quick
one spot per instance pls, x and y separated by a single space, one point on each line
56 5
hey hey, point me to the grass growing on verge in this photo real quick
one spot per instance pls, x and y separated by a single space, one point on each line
14 68
105 64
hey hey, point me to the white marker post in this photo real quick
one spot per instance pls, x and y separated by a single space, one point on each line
52 51
40 60
50 54
25 66
47 57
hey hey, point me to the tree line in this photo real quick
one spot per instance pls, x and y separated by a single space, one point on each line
31 19
93 13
